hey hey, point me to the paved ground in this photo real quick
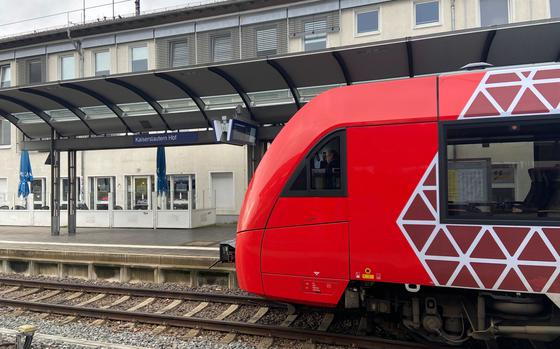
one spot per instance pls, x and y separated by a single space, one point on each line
196 242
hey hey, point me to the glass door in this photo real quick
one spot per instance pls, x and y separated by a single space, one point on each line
102 187
141 193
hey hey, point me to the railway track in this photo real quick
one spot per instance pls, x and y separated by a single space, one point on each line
196 311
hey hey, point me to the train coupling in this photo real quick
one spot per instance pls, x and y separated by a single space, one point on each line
227 251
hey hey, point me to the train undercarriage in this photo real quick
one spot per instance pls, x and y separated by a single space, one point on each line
457 317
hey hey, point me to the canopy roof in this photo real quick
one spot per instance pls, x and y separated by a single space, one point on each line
270 89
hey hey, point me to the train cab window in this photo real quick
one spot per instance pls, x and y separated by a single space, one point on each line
501 171
322 172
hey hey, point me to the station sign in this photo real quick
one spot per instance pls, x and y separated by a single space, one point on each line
166 138
235 131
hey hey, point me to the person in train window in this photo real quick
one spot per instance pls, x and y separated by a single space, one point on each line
332 170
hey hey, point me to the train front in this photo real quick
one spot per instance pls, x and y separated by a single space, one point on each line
274 170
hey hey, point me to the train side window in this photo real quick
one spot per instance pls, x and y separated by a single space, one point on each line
323 171
501 171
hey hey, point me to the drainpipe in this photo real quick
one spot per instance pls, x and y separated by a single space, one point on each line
452 14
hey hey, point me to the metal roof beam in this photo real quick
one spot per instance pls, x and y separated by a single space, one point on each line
488 45
13 120
71 107
33 109
288 80
144 95
102 99
410 58
189 92
343 67
236 86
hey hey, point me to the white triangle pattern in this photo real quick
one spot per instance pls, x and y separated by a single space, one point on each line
512 261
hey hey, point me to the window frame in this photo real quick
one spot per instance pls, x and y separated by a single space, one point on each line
171 47
359 11
3 68
549 5
442 170
213 39
61 66
266 53
6 122
131 60
314 35
510 5
7 193
28 63
43 201
308 192
429 24
108 51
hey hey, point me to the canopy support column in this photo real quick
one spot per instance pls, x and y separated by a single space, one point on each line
71 192
255 154
55 186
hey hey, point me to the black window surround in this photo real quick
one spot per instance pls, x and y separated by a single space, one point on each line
444 128
304 166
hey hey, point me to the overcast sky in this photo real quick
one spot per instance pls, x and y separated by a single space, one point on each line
25 10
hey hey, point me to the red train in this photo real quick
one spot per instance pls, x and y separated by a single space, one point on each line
434 200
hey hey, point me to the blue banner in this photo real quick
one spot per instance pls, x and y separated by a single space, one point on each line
166 138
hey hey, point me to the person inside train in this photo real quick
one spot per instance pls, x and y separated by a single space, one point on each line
332 170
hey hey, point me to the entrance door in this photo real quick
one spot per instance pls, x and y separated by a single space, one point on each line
139 190
223 191
141 193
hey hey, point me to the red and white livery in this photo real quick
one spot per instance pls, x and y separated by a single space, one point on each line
440 204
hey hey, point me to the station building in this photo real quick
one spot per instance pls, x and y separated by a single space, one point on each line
213 176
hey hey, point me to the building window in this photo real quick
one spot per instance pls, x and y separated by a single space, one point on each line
102 63
502 171
5 76
554 8
222 48
179 54
38 190
35 71
315 35
367 22
426 12
267 41
67 68
64 192
180 186
139 58
139 191
4 201
322 172
5 133
100 188
493 12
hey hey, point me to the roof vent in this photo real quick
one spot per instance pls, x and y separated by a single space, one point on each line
476 66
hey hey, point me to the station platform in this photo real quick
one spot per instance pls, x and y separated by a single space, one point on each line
127 255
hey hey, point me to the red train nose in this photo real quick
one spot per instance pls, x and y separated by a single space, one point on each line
247 261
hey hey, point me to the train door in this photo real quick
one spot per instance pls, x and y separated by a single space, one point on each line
386 163
305 245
